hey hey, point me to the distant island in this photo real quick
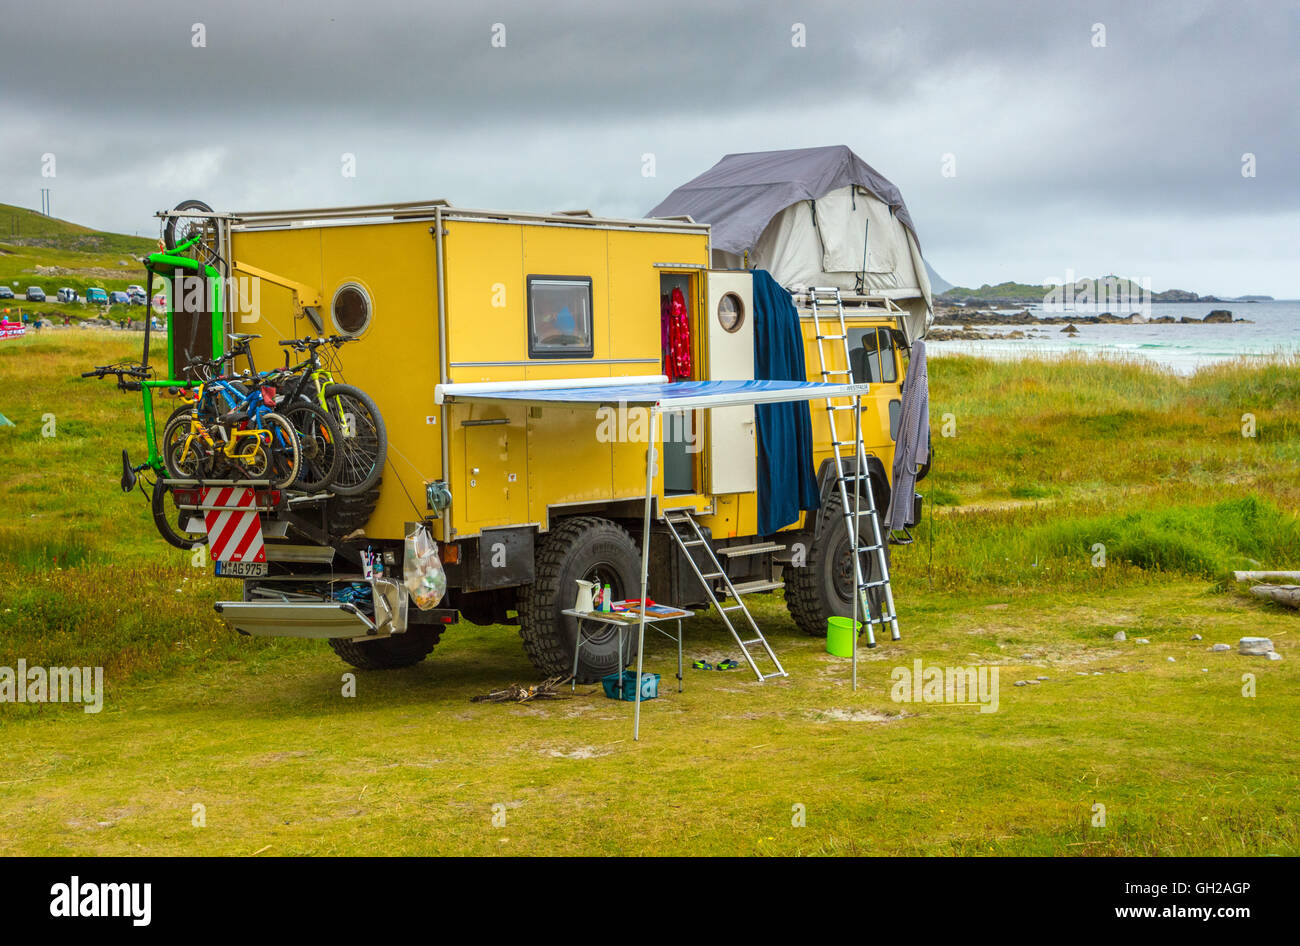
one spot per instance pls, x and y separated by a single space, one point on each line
1016 293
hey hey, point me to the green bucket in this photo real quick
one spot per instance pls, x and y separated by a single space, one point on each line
839 636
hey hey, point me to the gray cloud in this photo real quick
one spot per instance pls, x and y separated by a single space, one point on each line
1066 155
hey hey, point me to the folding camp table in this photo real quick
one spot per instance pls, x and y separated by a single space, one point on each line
659 396
622 623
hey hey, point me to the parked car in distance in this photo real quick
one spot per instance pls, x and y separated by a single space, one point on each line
68 295
137 296
6 292
97 296
133 289
35 294
118 297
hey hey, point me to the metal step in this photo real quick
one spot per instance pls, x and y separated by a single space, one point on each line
320 554
755 549
757 587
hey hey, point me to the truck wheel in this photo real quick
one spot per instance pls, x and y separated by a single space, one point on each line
589 548
389 653
824 587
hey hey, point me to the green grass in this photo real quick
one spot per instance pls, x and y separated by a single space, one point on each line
1050 458
81 256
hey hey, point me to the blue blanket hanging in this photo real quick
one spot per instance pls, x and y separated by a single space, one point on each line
787 483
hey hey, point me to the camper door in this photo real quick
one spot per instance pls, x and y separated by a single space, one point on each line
733 464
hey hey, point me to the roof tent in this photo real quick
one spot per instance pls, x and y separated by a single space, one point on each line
811 217
658 396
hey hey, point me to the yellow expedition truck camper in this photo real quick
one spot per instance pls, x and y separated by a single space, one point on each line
495 368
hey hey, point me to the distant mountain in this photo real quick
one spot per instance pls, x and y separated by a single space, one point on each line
938 285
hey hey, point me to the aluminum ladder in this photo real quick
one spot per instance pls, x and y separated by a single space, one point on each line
827 308
692 538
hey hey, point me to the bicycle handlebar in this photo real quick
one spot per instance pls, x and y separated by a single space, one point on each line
122 373
302 344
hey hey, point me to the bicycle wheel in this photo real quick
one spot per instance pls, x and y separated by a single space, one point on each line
319 438
283 454
186 458
167 517
365 438
180 229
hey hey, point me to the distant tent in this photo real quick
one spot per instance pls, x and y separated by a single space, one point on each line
811 217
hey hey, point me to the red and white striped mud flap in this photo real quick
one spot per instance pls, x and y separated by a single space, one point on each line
234 527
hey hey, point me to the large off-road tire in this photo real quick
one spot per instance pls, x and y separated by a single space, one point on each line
389 653
346 514
823 588
584 547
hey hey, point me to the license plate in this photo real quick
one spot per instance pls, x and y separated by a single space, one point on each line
241 569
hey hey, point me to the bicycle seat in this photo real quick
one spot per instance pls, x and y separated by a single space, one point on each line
234 417
240 337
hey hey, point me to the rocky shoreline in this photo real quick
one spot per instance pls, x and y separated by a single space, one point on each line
956 323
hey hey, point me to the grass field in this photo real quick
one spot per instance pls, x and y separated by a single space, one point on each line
36 250
1047 459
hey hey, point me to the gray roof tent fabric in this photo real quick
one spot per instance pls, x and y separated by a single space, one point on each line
741 194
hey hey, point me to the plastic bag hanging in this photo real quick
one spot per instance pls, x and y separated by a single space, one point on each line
422 569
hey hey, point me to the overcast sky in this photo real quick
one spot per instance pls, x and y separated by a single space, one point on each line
1124 158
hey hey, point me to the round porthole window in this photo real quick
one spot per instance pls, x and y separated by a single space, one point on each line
731 312
351 309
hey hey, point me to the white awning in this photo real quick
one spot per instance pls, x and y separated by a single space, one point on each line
656 392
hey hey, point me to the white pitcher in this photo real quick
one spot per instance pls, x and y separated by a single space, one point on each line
585 600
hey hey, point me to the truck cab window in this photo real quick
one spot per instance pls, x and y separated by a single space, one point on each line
559 317
871 356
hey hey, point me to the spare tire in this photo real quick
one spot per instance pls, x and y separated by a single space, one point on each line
389 653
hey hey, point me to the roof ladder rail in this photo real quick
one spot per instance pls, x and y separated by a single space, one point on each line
690 537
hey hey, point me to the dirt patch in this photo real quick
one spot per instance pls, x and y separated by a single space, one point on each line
581 752
854 716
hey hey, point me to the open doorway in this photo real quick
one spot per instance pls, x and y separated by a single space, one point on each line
677 336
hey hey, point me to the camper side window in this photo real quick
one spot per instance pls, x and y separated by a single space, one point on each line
871 356
559 317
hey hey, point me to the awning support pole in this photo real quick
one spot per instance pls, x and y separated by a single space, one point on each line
857 518
650 457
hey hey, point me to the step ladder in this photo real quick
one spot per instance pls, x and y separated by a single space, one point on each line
686 533
827 308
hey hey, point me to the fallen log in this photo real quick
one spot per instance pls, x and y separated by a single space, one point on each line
1266 576
1288 595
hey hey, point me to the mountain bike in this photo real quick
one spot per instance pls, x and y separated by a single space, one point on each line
247 441
319 435
364 437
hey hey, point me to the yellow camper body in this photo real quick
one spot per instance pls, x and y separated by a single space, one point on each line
456 310
526 497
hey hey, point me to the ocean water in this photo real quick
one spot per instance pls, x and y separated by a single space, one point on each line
1273 330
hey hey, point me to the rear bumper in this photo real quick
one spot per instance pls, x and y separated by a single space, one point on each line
296 619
